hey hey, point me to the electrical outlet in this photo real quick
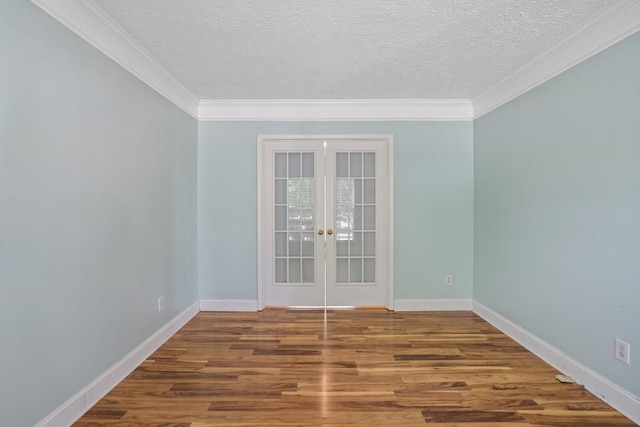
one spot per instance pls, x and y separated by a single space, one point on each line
160 303
448 280
623 351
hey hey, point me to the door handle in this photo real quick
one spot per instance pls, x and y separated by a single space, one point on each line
320 232
329 232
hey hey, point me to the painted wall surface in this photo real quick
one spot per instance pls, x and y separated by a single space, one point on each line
433 204
97 213
557 211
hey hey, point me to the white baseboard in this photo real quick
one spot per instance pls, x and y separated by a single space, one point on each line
619 398
228 305
67 413
431 304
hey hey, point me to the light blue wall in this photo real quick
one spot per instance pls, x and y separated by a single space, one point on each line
98 193
433 204
97 213
557 211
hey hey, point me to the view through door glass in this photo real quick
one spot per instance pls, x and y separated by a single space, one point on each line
294 218
355 218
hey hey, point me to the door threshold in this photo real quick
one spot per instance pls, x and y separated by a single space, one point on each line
329 307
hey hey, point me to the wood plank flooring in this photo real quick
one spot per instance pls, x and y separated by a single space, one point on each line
365 367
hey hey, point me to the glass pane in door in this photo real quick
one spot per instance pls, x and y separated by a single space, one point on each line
355 218
294 218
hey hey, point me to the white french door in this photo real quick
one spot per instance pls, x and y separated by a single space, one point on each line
324 221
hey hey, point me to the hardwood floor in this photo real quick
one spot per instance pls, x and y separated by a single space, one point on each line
366 367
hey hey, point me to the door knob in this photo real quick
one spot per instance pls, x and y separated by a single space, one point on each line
329 232
320 232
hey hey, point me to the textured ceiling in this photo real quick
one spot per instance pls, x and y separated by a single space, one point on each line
339 49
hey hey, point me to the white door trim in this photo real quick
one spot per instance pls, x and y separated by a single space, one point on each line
262 139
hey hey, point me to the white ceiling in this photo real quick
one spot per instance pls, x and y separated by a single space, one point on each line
339 49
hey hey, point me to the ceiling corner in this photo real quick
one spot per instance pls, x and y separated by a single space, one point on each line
90 23
611 25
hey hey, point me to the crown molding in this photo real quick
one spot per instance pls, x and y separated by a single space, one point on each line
93 25
336 110
613 24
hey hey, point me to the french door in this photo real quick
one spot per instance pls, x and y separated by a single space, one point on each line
324 221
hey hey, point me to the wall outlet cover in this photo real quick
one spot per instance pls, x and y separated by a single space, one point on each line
623 351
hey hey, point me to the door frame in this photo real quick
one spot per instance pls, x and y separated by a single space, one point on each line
262 204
